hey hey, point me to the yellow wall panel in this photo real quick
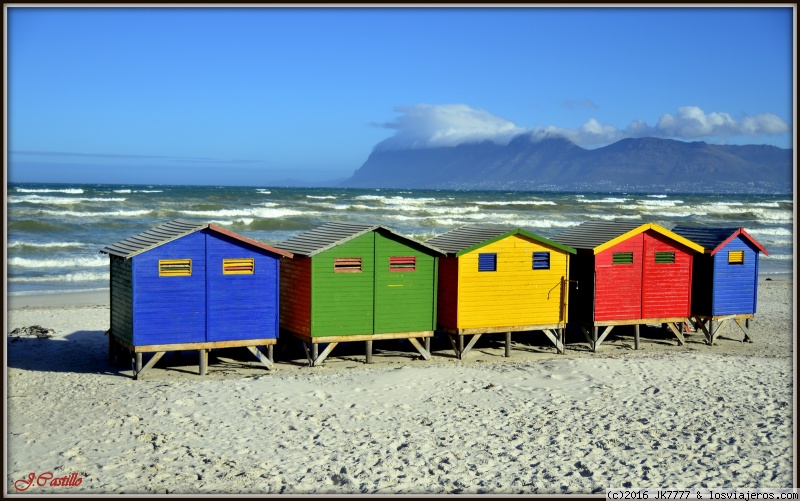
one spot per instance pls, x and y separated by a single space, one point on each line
515 294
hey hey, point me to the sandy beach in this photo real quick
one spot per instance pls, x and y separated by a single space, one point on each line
669 416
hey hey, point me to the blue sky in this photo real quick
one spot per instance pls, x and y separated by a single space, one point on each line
244 96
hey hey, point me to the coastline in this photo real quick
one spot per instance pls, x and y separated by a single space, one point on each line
691 416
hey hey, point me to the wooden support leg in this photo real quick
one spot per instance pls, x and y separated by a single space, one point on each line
271 353
322 356
636 337
677 333
453 344
745 327
260 356
308 354
137 357
460 346
428 344
150 363
594 338
562 333
203 362
369 352
602 338
508 344
422 351
555 340
469 346
586 335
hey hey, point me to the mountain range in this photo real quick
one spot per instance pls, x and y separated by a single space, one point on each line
558 164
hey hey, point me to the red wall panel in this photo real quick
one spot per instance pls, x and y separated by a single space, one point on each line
618 287
447 295
667 288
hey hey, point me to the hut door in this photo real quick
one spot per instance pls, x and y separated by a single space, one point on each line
666 278
241 292
618 281
404 292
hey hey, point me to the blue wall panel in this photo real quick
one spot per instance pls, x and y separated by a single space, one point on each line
735 284
241 306
170 309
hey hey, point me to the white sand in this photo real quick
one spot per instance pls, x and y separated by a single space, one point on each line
669 416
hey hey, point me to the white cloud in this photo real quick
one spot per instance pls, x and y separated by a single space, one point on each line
427 126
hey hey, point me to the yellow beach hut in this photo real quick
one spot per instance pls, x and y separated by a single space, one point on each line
501 280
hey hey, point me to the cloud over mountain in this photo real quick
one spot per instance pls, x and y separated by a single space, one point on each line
429 126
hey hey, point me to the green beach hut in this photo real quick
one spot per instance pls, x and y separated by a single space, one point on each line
358 282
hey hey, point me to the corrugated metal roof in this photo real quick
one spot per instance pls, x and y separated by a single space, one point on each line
334 233
591 234
461 240
170 231
714 238
465 237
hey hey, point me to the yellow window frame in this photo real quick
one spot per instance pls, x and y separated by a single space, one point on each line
174 267
239 266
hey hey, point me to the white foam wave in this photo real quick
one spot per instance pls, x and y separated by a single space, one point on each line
603 200
267 213
118 213
613 217
517 202
660 203
122 191
657 196
38 199
72 191
263 191
398 200
778 257
76 262
149 191
327 197
81 276
770 231
45 245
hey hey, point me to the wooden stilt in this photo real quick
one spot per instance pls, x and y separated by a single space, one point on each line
203 362
314 351
453 344
675 330
636 337
308 354
137 357
150 363
460 346
422 351
260 356
369 352
602 338
554 339
594 338
745 327
587 336
469 346
428 344
271 353
508 344
322 356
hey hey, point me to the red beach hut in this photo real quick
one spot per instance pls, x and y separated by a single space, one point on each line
628 274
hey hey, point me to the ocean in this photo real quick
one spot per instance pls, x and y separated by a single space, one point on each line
55 231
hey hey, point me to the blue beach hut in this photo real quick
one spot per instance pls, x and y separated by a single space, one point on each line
186 285
724 279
